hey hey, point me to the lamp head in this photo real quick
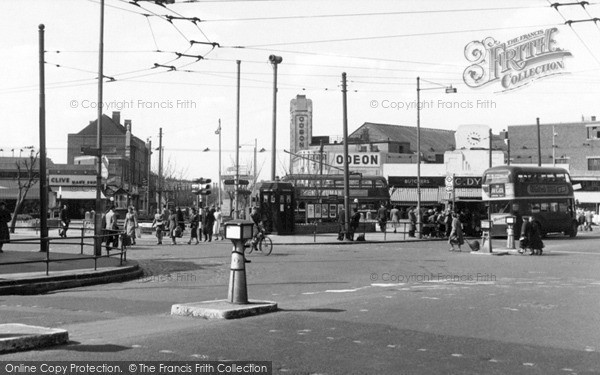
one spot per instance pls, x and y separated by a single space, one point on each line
273 59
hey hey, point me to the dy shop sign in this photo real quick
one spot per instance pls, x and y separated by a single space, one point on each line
514 63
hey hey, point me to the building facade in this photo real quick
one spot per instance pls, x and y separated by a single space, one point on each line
127 156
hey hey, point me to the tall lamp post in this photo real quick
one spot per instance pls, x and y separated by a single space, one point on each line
449 90
218 132
274 60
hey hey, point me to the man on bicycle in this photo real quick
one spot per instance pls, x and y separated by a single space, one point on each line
257 228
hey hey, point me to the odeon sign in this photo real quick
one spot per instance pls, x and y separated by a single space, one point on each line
360 160
515 63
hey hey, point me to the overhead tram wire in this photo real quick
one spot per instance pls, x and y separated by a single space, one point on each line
575 32
368 14
255 46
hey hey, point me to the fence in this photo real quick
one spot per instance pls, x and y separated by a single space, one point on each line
103 238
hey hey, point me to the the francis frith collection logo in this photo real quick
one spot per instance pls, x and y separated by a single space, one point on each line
516 62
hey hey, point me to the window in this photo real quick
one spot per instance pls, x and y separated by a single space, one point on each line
594 164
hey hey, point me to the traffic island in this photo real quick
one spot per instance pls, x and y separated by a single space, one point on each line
223 309
237 305
18 337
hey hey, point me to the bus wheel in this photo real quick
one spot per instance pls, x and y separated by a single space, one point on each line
573 232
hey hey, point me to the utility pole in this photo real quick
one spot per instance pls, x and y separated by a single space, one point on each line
160 169
346 166
99 208
490 145
148 177
42 130
553 146
539 143
275 60
219 192
237 145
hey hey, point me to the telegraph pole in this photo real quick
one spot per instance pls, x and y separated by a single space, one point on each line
148 176
539 143
43 180
98 215
237 145
275 60
160 168
346 166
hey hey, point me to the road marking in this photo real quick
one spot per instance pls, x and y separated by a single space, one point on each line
528 364
457 355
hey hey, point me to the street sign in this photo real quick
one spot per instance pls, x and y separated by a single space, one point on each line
449 183
229 182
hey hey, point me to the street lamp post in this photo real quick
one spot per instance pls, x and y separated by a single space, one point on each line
218 132
449 90
274 60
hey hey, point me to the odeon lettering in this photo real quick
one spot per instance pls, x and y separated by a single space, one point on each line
357 159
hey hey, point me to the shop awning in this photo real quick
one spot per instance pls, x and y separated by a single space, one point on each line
79 193
585 196
409 195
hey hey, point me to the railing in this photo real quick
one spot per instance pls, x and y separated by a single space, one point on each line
108 235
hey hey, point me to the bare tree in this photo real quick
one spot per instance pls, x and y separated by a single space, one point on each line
26 178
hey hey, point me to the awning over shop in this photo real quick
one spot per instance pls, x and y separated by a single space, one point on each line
79 193
9 189
409 195
434 195
581 196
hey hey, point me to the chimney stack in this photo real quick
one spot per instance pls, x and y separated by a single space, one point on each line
128 125
116 117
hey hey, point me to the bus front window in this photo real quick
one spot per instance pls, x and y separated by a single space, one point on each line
500 207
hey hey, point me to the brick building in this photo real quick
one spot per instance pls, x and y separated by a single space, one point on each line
128 157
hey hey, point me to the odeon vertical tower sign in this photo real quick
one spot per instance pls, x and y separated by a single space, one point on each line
514 63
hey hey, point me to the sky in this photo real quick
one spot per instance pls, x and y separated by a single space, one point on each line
382 46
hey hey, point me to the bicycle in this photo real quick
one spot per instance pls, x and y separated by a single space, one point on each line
263 243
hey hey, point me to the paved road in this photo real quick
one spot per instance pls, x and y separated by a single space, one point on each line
375 309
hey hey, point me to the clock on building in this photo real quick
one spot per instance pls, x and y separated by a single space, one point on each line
474 138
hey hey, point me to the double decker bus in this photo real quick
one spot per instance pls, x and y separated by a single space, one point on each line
320 197
544 193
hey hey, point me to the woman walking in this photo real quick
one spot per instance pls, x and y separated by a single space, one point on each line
131 224
194 221
209 222
173 226
217 226
159 224
456 233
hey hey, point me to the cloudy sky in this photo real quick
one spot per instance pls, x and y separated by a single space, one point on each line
381 45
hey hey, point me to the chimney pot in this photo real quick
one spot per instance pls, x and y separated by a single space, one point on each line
116 117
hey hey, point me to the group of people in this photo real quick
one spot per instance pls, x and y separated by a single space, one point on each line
352 225
585 219
206 222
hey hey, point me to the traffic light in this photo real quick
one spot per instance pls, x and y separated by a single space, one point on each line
202 186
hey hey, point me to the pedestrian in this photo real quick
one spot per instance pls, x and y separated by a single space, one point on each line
531 237
589 217
209 222
395 217
173 226
131 224
180 220
354 223
64 221
218 222
456 234
256 228
412 219
341 218
194 222
159 225
382 216
5 218
110 228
